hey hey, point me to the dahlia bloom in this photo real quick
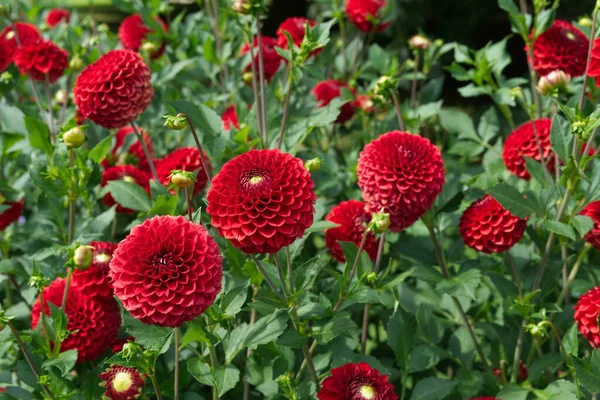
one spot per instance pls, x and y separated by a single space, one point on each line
401 174
122 383
183 159
230 119
96 321
488 227
563 47
586 316
127 173
94 281
554 82
167 271
11 214
133 32
522 143
365 103
134 154
592 210
352 218
296 27
8 41
56 16
326 91
356 382
362 13
271 59
114 90
41 60
594 67
262 200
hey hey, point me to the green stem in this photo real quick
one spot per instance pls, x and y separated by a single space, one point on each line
568 359
145 150
365 323
286 107
176 387
188 198
573 274
267 279
398 111
413 89
44 323
72 197
214 363
199 146
262 82
155 385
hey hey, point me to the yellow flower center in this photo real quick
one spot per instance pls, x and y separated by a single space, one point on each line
367 392
570 36
10 35
128 178
255 179
103 258
122 381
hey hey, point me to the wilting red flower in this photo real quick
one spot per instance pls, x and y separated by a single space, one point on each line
94 281
183 159
592 210
114 90
522 143
134 154
122 383
96 321
9 44
562 47
11 214
41 60
127 173
133 32
296 27
352 218
402 174
362 12
271 59
118 344
326 91
586 315
488 227
167 271
56 16
356 382
262 201
230 118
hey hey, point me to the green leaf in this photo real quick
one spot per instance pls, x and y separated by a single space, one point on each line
148 336
559 228
583 224
38 134
164 205
561 137
64 362
194 333
423 357
537 171
509 6
326 332
571 341
130 195
463 285
401 331
350 251
588 371
233 300
200 371
432 389
293 339
226 377
512 200
100 151
204 118
458 122
513 392
320 226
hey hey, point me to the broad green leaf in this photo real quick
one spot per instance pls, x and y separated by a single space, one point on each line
148 336
320 226
513 392
509 6
130 195
429 323
205 119
536 170
325 333
201 371
571 341
423 357
463 285
306 274
350 251
588 371
233 300
559 228
401 331
459 123
583 224
64 362
561 137
489 126
432 389
100 151
194 333
293 339
512 200
164 205
38 134
225 378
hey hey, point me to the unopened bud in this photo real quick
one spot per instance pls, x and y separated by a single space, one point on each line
383 85
61 97
553 82
149 47
74 137
313 165
83 258
585 22
76 63
516 93
419 42
176 123
182 179
6 77
438 42
380 221
372 278
241 6
247 78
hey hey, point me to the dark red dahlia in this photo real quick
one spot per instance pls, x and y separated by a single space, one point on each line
114 90
356 382
362 13
127 173
11 214
230 118
592 210
296 27
271 59
183 159
522 143
41 60
488 227
134 154
122 383
594 68
133 32
352 218
262 201
9 44
94 320
56 16
94 281
401 174
326 91
167 271
562 47
586 316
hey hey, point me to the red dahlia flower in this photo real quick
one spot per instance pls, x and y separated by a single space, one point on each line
183 159
41 60
352 218
11 214
326 91
362 13
114 90
594 68
356 382
402 174
262 201
9 44
94 281
296 27
271 59
592 210
94 320
561 47
522 143
586 315
126 173
133 32
230 118
134 154
488 227
56 16
167 271
122 383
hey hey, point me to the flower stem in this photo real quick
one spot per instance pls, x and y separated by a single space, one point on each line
63 106
176 387
532 73
261 71
197 140
398 111
50 113
257 107
413 89
286 107
289 269
145 150
72 198
45 331
155 385
267 279
214 363
515 275
281 276
517 355
63 306
573 274
568 359
365 323
189 203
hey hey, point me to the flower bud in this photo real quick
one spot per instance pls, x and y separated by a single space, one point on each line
313 165
372 278
6 77
247 78
438 42
61 97
585 22
149 47
516 93
553 82
176 123
74 137
242 6
83 258
182 179
76 63
382 84
380 221
419 42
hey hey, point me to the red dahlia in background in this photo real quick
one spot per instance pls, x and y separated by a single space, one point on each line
9 44
326 91
133 32
118 344
594 68
522 143
183 159
402 174
262 201
230 119
488 227
134 154
114 90
95 321
122 383
352 218
167 271
561 47
271 59
484 398
94 281
592 210
296 27
586 315
356 382
56 16
127 173
362 13
41 60
11 214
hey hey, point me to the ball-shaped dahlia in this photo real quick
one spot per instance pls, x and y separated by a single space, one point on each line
8 41
562 47
586 316
401 174
122 383
11 214
133 32
594 67
56 16
262 201
356 382
230 118
592 210
95 281
167 271
352 218
114 90
134 154
296 27
127 173
488 227
183 159
362 13
271 59
41 60
522 143
94 320
326 91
